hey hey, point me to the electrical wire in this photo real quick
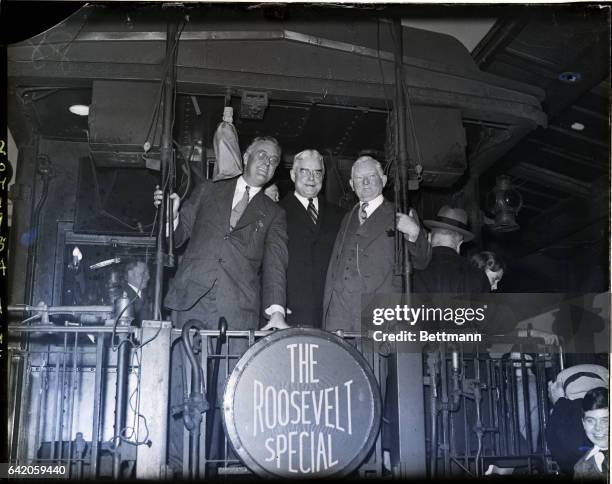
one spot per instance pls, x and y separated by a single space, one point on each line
31 318
154 120
382 72
408 103
100 205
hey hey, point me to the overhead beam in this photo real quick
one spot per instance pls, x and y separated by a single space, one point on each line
315 89
590 112
581 137
501 34
581 160
551 178
539 193
566 218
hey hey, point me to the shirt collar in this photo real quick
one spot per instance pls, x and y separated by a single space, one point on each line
596 449
136 290
373 204
304 200
241 185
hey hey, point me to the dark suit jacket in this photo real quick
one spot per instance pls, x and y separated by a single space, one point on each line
371 269
310 247
247 266
450 273
565 434
586 470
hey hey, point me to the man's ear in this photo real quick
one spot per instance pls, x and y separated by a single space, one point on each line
459 246
351 184
384 180
292 175
245 157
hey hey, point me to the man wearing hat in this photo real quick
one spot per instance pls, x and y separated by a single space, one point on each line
447 271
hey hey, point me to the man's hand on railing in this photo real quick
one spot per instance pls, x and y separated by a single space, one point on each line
277 321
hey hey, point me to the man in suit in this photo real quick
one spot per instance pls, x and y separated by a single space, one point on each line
137 278
312 225
234 266
363 256
447 271
236 260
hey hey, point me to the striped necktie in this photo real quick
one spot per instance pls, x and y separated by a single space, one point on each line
312 211
363 215
239 209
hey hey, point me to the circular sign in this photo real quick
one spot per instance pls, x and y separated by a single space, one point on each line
302 403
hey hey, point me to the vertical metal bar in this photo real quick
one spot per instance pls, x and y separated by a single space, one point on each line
166 162
495 409
154 380
513 409
541 393
204 447
490 402
120 402
502 400
42 410
227 372
17 368
58 405
466 430
97 412
452 452
407 407
63 397
402 153
445 411
72 390
526 408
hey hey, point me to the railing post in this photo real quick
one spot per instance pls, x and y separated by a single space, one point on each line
155 395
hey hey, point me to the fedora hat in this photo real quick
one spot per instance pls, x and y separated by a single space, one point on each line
454 219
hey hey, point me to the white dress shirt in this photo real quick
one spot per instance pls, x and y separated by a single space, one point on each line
597 453
372 204
304 201
239 192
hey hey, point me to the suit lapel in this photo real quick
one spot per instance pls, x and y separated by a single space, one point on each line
254 211
377 225
223 195
302 214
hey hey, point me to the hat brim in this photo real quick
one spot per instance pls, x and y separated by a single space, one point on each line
434 224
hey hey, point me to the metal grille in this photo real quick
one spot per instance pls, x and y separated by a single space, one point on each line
480 410
65 381
237 342
489 411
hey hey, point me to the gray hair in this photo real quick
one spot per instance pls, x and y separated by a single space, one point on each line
365 159
260 139
310 153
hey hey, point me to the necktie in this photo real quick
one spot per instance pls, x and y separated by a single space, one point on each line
239 209
312 211
605 464
363 215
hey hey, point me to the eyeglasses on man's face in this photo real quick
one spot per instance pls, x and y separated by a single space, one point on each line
262 156
308 173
